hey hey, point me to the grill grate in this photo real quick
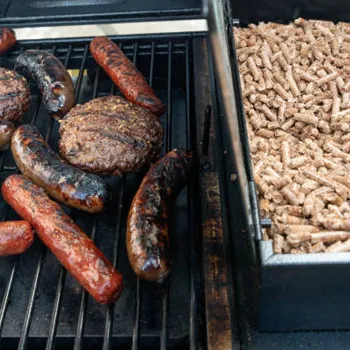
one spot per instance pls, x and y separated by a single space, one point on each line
41 305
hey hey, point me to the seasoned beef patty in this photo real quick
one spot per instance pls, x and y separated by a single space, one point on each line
14 95
110 136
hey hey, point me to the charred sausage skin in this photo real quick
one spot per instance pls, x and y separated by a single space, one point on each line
147 226
52 78
15 237
7 39
6 131
75 251
67 184
125 75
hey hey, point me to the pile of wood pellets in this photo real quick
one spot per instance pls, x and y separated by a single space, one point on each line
296 90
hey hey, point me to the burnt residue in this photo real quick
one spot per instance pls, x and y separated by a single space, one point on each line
52 78
62 181
147 236
216 275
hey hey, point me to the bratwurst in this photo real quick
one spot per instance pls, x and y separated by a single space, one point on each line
71 186
15 237
147 228
125 75
52 78
74 250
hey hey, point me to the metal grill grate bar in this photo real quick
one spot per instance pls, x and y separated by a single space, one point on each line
26 324
168 116
191 215
78 342
27 320
168 143
136 330
81 73
53 325
6 297
84 297
62 277
110 309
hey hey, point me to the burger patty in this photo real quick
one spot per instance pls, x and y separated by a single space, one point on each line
110 136
14 95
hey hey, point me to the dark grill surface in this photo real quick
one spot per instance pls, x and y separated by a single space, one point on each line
40 304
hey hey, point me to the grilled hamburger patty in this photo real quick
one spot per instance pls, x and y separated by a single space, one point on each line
14 95
110 136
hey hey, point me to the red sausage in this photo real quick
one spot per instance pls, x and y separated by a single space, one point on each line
125 75
75 251
7 39
15 237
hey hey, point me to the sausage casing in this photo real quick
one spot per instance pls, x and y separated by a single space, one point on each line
61 181
147 227
6 131
75 251
7 39
125 75
52 78
15 237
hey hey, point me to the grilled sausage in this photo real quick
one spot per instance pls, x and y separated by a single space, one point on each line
125 75
6 131
147 227
62 181
75 251
15 237
7 39
52 78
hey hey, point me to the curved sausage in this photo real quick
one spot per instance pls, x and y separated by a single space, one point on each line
69 185
52 78
74 250
7 39
147 227
6 131
15 237
125 75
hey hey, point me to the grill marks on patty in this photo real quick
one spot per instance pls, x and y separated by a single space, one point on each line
109 135
14 95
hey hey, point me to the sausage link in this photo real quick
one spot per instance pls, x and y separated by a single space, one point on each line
69 185
52 78
6 131
75 251
147 227
125 75
15 237
7 39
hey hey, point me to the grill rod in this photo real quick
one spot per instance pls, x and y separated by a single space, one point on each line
219 42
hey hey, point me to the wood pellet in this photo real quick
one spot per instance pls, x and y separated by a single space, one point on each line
295 83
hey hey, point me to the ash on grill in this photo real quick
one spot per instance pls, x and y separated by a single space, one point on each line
296 87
